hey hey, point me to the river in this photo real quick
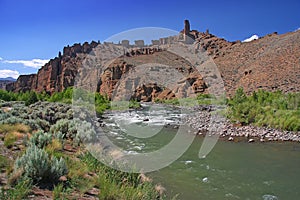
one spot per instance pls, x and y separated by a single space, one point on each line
262 171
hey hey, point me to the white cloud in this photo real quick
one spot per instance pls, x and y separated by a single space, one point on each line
1 58
4 73
34 63
253 37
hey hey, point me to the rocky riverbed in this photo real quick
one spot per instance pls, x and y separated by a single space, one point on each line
201 120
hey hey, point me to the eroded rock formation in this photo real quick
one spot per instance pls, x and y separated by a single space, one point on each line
270 63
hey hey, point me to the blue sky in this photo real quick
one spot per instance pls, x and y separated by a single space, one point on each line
33 31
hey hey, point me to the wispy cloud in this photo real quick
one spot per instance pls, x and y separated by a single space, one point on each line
253 37
1 58
4 73
34 63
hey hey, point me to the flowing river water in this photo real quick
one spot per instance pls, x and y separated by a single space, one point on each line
250 171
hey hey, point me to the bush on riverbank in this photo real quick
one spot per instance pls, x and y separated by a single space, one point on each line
262 108
201 99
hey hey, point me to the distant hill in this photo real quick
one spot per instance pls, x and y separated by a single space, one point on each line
6 81
270 63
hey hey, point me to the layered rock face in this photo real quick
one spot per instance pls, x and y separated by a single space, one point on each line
57 74
136 77
23 84
269 63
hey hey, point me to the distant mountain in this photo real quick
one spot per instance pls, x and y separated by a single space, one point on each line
8 79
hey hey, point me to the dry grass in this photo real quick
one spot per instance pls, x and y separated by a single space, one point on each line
55 148
6 109
13 133
15 176
17 128
55 145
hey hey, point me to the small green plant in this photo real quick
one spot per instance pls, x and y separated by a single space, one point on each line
4 162
59 192
18 192
10 139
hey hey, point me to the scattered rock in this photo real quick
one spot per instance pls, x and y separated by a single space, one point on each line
205 180
269 197
251 140
201 117
38 193
93 192
160 189
144 178
63 179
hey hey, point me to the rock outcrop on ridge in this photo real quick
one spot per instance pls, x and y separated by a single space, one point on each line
270 63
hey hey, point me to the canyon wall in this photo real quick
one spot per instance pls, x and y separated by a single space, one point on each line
269 63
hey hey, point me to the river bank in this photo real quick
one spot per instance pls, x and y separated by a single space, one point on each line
201 118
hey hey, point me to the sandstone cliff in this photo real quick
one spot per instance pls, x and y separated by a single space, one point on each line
57 74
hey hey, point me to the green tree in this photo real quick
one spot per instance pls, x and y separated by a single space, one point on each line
32 98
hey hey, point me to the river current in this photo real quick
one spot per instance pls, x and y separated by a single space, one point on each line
250 171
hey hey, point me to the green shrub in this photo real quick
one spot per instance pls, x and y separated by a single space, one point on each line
262 108
12 120
85 132
7 96
76 130
64 129
40 139
32 98
37 165
32 123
